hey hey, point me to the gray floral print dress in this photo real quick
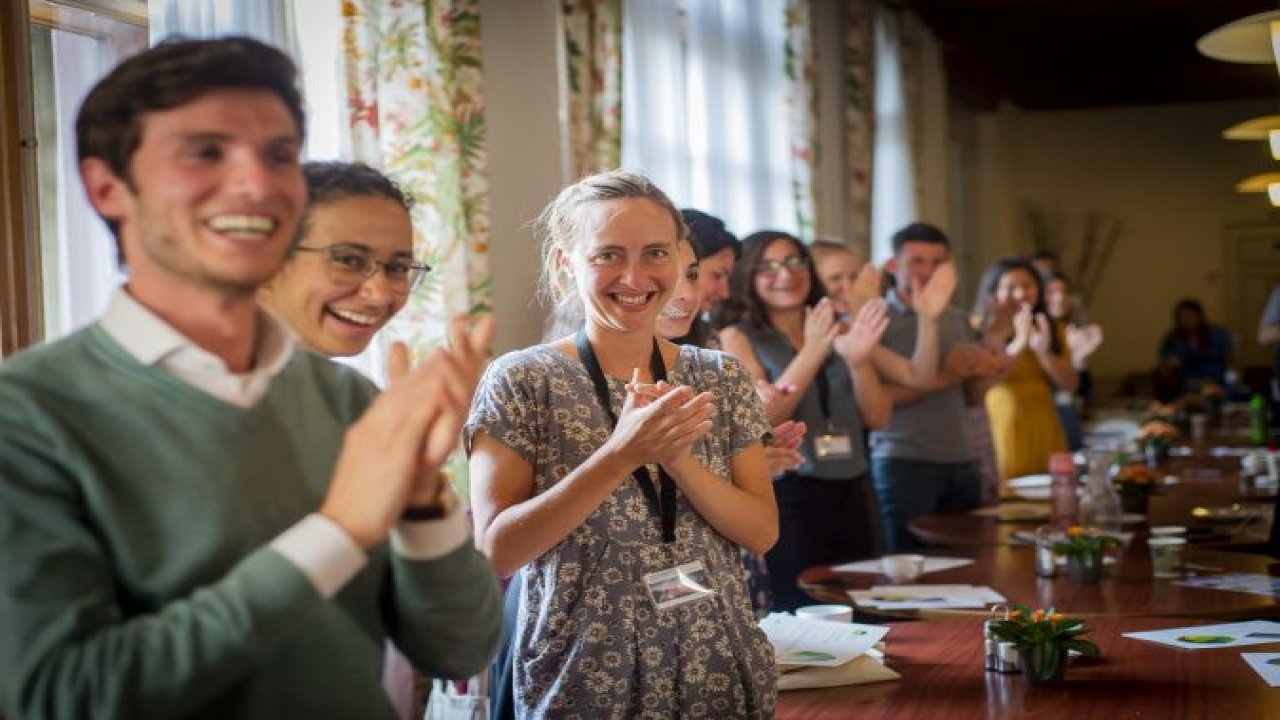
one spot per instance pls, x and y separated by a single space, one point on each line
590 642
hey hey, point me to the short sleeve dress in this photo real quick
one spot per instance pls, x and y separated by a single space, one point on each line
589 642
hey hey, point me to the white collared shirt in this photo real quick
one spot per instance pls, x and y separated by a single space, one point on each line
155 343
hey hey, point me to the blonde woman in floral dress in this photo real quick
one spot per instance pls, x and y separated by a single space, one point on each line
619 514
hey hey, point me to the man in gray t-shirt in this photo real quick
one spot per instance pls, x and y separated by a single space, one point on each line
923 461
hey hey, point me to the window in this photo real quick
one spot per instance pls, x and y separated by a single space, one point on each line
704 107
71 49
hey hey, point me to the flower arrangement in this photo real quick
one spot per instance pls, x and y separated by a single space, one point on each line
1025 628
1135 479
1156 433
1081 541
1213 392
1043 638
1162 412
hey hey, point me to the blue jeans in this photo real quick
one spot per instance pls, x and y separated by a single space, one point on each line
907 488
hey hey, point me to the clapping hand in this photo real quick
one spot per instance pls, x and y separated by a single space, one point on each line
1083 340
660 422
866 287
820 327
931 298
395 450
782 453
855 344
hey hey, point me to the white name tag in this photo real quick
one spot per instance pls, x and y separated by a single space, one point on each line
678 585
830 446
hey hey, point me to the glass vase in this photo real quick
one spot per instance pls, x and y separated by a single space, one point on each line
1043 663
1085 567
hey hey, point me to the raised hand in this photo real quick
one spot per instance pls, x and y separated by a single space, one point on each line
820 327
663 428
395 450
864 334
1041 334
772 394
1083 341
866 286
1022 323
782 453
932 298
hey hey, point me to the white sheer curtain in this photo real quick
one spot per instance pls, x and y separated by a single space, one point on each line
271 21
704 98
80 257
893 201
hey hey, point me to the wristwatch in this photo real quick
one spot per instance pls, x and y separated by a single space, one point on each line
446 502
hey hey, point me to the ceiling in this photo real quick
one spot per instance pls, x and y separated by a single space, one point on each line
1067 54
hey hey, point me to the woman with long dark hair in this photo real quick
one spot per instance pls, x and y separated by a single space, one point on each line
1193 352
1010 313
787 333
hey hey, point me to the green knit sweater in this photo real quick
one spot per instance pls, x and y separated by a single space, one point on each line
136 581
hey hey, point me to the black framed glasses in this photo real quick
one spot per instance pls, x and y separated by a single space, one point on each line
352 265
794 263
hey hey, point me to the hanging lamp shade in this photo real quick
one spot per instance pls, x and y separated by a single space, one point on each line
1268 183
1247 40
1259 128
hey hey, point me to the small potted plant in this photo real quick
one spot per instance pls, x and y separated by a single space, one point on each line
1083 548
1135 483
1043 639
1156 437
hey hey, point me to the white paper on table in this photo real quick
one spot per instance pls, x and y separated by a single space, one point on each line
1254 583
1200 637
922 597
931 564
804 641
1265 664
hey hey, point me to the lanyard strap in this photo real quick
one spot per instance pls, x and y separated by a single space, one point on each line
824 390
662 502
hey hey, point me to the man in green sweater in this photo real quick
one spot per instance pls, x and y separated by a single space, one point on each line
197 521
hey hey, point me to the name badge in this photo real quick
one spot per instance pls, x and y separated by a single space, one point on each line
833 446
678 585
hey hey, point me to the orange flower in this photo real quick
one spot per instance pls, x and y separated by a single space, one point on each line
1056 617
1075 531
1037 616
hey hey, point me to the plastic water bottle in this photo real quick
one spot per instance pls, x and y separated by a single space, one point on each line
1100 506
1062 470
1257 420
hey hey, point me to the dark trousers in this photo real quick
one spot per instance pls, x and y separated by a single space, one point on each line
820 522
907 488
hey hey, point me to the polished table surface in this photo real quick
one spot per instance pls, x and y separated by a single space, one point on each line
1204 481
942 677
1126 589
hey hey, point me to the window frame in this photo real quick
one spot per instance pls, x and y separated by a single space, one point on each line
20 292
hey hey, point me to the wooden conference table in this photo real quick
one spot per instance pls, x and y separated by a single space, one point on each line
941 665
1203 481
1126 589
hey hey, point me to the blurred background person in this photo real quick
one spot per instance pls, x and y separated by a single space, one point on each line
1082 342
1024 421
1193 352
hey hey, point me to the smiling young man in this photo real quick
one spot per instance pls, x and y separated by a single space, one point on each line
195 517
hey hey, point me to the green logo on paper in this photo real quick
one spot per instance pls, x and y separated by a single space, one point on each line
1207 639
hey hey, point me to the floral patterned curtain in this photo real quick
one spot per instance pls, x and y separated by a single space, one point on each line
859 117
802 111
416 111
591 32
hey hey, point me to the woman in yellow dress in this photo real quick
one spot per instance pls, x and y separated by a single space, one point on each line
1024 422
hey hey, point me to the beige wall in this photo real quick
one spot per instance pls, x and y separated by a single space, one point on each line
1164 170
524 153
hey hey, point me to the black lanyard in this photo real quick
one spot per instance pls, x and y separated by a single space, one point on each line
663 504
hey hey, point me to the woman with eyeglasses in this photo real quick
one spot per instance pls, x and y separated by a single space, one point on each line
351 266
787 333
